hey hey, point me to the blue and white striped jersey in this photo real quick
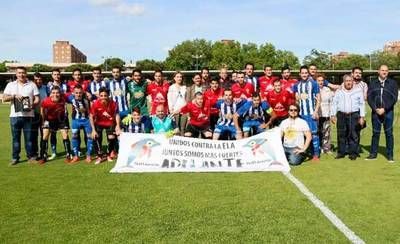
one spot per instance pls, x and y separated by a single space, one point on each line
250 112
80 108
226 112
307 91
63 87
118 93
95 86
252 80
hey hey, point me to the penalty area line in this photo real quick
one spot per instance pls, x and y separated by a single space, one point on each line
350 235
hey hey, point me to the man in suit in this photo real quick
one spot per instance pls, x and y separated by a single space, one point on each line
382 97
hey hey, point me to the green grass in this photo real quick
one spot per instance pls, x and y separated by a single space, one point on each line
85 203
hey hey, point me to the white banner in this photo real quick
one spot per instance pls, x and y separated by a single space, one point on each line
157 153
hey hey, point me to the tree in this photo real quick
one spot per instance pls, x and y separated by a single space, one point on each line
189 55
249 53
351 61
225 55
3 67
82 67
380 57
319 58
109 63
149 64
284 57
40 68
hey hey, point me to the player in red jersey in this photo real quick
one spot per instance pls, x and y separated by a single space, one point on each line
266 82
211 96
158 91
199 113
287 83
279 100
55 117
104 116
242 90
77 80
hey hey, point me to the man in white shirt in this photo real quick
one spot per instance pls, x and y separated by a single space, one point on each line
24 97
294 130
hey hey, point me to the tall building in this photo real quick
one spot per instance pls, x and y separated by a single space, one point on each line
392 47
64 52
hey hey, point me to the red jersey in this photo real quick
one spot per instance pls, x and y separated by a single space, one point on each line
104 114
266 85
288 85
246 89
199 116
53 110
211 97
72 83
279 102
158 95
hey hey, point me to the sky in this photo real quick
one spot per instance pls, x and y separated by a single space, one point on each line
135 30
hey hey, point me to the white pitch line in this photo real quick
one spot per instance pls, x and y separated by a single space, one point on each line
325 210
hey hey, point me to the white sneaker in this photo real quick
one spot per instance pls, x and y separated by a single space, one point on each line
52 157
391 161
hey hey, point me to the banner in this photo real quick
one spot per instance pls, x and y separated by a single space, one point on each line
157 153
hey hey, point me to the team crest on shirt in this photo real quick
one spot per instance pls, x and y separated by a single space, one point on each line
159 98
304 96
138 94
118 92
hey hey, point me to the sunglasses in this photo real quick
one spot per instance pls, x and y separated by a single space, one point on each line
292 110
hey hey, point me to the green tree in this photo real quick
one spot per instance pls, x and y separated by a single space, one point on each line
225 54
380 57
40 68
352 60
109 63
319 58
83 67
284 57
249 53
189 55
3 67
149 64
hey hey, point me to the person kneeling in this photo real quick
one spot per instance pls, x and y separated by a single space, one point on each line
104 116
294 129
199 123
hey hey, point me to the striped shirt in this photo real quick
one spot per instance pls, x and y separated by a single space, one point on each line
95 86
118 93
307 91
226 112
51 84
80 108
252 80
251 112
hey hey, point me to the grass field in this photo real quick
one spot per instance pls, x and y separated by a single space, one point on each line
85 203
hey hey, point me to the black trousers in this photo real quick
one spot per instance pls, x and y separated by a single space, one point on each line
347 133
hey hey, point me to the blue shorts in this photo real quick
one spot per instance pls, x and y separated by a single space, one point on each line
248 124
312 123
220 129
78 124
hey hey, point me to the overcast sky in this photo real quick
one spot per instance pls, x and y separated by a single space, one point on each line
135 30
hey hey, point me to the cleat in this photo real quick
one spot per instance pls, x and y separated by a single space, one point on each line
52 157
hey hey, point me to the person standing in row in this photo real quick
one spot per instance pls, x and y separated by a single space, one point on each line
308 96
24 97
324 121
382 97
348 110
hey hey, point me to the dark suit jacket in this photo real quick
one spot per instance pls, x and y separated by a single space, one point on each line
387 99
